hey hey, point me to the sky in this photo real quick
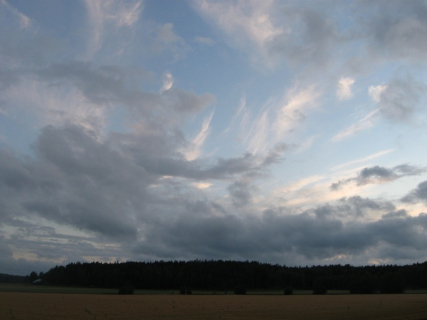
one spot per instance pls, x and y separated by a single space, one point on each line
289 132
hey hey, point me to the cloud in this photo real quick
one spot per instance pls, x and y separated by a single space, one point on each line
80 182
102 186
193 151
107 189
99 84
111 174
357 206
277 120
38 248
344 88
308 37
107 13
377 174
307 144
241 193
289 32
106 86
298 102
244 23
24 21
366 122
376 91
419 194
297 238
251 18
395 214
370 157
204 41
166 39
304 33
399 100
56 105
247 164
397 29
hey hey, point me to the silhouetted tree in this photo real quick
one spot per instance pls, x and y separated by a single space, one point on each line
364 284
288 291
33 277
126 289
227 275
392 283
319 287
240 289
185 290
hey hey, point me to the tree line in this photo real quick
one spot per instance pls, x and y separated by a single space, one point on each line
7 278
222 275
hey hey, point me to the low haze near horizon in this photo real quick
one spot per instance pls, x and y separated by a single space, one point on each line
290 132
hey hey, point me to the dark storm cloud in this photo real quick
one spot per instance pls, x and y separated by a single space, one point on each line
376 171
401 98
96 186
102 186
22 267
275 154
76 181
312 38
379 174
380 30
396 214
279 233
419 194
397 29
227 167
203 169
108 84
98 84
357 206
117 189
13 173
47 245
351 207
241 193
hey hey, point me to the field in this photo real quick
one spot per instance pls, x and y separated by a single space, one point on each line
38 306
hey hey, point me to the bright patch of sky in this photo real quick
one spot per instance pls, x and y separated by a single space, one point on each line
147 130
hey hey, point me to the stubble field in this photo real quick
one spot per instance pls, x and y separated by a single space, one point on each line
37 306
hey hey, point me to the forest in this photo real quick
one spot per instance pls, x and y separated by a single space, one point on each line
228 275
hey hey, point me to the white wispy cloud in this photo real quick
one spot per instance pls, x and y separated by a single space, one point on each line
127 14
195 148
257 139
306 144
301 183
365 123
277 118
24 21
167 39
241 113
361 160
113 13
297 103
204 40
302 193
245 23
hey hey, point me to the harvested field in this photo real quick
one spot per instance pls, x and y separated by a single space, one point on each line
19 305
